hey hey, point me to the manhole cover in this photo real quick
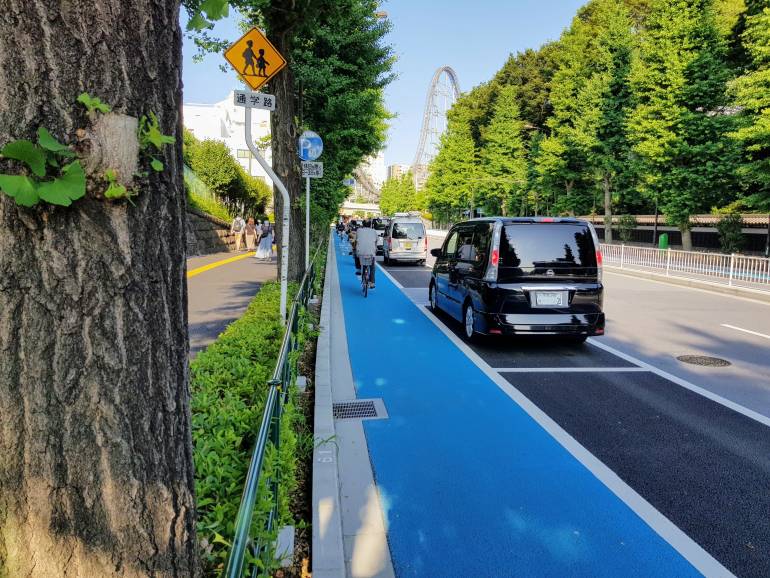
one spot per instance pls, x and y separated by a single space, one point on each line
704 360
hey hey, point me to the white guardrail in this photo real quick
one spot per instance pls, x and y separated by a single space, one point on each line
732 270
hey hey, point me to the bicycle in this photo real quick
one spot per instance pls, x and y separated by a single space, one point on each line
366 263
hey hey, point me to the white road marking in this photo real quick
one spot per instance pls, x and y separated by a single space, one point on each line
757 333
665 528
750 413
568 369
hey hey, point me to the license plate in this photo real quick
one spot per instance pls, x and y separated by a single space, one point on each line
408 246
550 299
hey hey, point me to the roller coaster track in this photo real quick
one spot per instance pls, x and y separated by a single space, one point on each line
441 96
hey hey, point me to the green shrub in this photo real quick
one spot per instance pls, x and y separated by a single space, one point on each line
730 234
229 388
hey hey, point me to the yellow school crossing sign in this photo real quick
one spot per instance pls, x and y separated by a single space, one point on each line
255 59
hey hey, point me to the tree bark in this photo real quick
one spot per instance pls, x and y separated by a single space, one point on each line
607 208
285 159
96 471
686 238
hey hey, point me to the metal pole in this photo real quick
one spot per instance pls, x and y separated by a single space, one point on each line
284 263
307 223
767 242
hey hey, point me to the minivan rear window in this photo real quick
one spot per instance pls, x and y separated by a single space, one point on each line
380 225
408 230
536 248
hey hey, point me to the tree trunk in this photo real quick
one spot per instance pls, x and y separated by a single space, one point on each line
285 159
686 238
607 208
96 471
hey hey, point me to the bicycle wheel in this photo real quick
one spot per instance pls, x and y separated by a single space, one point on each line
365 280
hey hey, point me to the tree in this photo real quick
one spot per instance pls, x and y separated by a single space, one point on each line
752 95
343 65
503 160
451 185
96 471
679 125
603 103
399 195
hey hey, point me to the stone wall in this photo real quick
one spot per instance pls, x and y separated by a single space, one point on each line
207 234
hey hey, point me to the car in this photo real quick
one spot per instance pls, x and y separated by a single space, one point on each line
524 275
380 225
405 239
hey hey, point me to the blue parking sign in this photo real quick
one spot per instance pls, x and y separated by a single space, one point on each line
310 146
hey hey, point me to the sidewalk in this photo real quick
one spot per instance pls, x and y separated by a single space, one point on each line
468 483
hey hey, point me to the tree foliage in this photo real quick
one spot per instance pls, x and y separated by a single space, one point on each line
752 94
212 162
628 108
399 195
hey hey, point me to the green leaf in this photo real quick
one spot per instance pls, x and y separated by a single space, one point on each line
197 22
74 180
27 152
93 103
216 9
49 143
156 164
20 188
52 192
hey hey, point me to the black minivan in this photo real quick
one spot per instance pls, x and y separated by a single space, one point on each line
522 275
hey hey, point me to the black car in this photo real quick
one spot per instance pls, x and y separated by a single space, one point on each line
532 275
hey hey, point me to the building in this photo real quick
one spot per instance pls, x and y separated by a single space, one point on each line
223 121
397 171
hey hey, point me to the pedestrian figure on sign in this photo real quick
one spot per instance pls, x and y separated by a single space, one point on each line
262 64
249 56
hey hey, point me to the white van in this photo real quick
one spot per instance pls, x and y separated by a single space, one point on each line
405 239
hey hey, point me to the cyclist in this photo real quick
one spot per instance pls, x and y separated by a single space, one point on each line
366 247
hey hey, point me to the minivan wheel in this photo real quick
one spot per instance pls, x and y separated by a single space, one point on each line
469 322
432 297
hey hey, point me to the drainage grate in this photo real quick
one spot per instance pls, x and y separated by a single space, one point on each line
354 409
360 409
704 360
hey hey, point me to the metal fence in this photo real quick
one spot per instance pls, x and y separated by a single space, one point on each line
269 433
732 270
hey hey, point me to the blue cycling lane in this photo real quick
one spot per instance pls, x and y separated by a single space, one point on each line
471 485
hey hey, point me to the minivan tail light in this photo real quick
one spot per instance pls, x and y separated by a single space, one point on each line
494 255
599 259
390 243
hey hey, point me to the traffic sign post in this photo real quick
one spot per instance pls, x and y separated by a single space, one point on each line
256 60
309 148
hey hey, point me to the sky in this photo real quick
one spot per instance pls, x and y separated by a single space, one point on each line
474 38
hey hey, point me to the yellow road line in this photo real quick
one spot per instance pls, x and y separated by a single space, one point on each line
216 264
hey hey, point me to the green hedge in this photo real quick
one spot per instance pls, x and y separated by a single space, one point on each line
229 387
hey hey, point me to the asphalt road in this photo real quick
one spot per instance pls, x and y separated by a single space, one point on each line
704 466
219 296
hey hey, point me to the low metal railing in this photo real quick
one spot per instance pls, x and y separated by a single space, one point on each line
738 270
269 433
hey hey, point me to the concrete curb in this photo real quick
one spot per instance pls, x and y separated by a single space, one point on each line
733 291
327 546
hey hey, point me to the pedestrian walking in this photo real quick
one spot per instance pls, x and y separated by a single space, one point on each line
251 234
237 229
265 250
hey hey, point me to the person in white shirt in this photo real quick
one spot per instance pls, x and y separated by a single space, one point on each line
366 246
237 229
